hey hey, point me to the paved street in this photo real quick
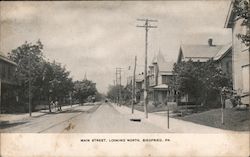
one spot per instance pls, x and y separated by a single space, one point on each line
82 119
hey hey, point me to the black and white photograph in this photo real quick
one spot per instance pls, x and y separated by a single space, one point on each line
107 75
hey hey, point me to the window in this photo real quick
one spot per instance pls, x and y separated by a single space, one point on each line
245 78
164 79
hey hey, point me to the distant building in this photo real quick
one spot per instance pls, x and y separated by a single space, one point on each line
240 56
7 69
139 87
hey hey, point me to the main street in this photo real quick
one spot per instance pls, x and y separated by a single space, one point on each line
98 118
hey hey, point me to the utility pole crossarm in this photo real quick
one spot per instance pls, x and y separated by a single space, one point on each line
152 26
150 20
147 26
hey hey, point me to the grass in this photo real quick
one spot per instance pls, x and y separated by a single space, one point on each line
151 108
236 120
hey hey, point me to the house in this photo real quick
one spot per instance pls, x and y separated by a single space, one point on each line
201 53
240 56
223 59
220 54
7 81
139 87
160 75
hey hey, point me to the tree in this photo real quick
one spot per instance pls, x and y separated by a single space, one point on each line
61 84
113 92
57 85
99 96
200 81
126 92
29 58
48 80
83 89
242 10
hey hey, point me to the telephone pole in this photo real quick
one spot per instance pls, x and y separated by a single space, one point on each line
118 82
133 88
30 106
147 26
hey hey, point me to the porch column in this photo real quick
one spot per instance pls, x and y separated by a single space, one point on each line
153 95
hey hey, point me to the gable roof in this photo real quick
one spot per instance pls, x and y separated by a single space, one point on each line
223 52
166 67
158 58
5 59
198 52
230 16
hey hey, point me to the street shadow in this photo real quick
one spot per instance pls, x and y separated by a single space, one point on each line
6 124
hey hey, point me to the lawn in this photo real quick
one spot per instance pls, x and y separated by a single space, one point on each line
151 108
236 120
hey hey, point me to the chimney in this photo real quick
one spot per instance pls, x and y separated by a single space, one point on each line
210 42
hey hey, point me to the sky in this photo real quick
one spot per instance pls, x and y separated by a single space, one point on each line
94 38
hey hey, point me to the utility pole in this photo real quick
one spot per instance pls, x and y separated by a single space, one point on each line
118 82
147 26
222 104
70 98
116 85
30 111
133 88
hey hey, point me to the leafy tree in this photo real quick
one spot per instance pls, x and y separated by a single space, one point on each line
242 10
126 92
29 59
56 82
83 89
61 84
99 96
48 80
113 92
201 81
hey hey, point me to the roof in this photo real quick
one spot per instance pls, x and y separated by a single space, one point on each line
199 52
161 86
3 58
225 50
166 66
163 65
158 58
230 17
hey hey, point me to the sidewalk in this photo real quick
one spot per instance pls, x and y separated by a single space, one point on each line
8 118
176 126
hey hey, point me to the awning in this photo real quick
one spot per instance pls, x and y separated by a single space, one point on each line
161 87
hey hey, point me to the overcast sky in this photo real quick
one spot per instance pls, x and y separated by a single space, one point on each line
96 37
